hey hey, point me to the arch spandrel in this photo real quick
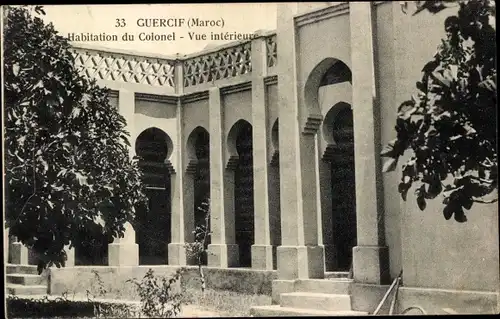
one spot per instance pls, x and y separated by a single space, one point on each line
160 142
232 155
328 142
192 156
329 71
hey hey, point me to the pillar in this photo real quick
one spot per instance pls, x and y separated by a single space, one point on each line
262 250
370 256
223 252
299 255
125 251
19 254
70 256
182 190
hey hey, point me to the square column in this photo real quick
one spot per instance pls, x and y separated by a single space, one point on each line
182 195
70 256
223 252
125 251
18 253
371 256
262 250
299 256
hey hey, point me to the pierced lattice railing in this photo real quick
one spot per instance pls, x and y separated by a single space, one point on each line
227 63
271 50
125 68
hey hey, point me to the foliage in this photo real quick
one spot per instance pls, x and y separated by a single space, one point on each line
158 296
69 177
198 248
449 127
101 290
63 307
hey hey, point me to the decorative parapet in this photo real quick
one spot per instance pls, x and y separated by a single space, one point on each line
272 56
226 63
128 68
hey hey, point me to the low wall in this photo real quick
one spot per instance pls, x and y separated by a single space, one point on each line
77 280
433 301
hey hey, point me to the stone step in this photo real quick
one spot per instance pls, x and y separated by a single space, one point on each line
336 274
21 269
339 286
319 301
26 279
15 289
279 311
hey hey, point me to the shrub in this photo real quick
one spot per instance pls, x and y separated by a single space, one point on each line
159 298
64 307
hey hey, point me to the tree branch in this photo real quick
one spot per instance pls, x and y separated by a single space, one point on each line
485 201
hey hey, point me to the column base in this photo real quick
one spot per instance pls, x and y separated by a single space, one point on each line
300 262
177 255
330 257
263 257
123 254
223 255
19 254
371 265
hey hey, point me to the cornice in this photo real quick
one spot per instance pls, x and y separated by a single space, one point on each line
234 88
322 14
195 96
270 80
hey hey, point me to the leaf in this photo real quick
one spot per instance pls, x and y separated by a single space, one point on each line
488 84
433 189
430 67
403 190
421 202
420 193
388 149
448 211
82 180
390 165
15 69
75 112
460 215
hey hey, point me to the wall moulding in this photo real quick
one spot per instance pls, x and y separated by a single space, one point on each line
271 80
235 88
322 14
193 97
114 94
157 98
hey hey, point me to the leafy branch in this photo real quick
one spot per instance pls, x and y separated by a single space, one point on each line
449 127
198 249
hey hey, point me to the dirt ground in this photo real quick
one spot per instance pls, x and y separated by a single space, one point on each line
194 311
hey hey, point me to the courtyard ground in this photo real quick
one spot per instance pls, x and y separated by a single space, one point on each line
219 303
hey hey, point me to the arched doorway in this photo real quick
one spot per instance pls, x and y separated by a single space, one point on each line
241 137
199 140
153 227
336 167
343 189
274 190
